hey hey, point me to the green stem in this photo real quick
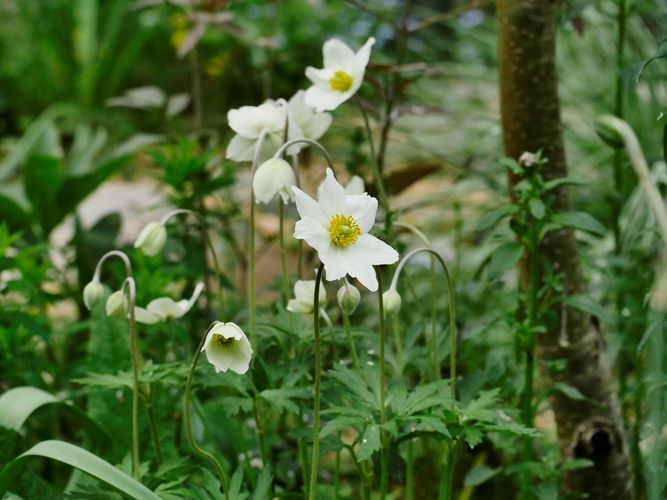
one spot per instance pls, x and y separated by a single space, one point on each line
398 344
315 462
134 354
337 473
384 458
222 475
260 432
350 341
434 311
410 473
377 175
148 401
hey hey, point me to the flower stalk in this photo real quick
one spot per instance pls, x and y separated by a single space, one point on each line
312 490
384 451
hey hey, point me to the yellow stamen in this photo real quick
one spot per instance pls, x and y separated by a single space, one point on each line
344 230
223 342
341 81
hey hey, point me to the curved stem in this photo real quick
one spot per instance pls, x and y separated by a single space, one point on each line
312 490
130 288
188 425
281 151
384 458
452 308
377 175
251 242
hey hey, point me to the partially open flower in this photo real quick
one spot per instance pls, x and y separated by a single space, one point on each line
274 176
337 227
348 297
304 297
312 124
249 122
227 348
152 238
341 76
165 308
116 306
391 302
93 294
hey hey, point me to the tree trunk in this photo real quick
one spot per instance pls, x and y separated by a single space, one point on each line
530 109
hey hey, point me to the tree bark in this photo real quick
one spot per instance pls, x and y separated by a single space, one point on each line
530 108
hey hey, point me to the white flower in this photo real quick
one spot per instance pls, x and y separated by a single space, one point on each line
341 76
337 227
152 238
249 121
354 186
304 297
274 176
312 124
166 308
227 348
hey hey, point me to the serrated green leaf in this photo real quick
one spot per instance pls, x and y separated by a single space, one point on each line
370 442
81 459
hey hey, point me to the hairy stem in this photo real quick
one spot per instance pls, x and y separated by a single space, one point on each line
315 461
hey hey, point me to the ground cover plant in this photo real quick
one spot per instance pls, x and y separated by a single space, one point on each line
332 250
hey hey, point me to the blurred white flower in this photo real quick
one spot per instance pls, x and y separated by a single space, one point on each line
312 124
341 76
166 308
227 348
274 176
304 297
250 121
337 227
152 238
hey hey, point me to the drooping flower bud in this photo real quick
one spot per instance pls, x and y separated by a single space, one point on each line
607 127
116 306
274 176
152 238
348 297
391 302
93 294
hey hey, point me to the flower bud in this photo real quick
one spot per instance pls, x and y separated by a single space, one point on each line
93 293
391 302
274 176
116 306
152 238
607 127
348 299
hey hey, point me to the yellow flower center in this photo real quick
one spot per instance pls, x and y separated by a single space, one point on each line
344 230
223 342
341 81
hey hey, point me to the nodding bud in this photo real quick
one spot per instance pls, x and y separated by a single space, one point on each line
274 176
391 302
152 238
93 294
348 297
607 127
116 306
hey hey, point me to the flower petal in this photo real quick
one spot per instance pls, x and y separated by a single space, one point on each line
355 186
312 231
146 317
363 208
307 207
240 148
332 197
186 305
164 308
320 78
363 55
375 251
327 100
337 55
333 268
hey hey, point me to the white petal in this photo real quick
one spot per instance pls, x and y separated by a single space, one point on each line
363 55
358 268
363 208
355 186
332 266
299 307
337 55
327 100
304 290
312 231
142 315
165 308
374 251
320 78
313 125
332 197
307 207
245 121
186 305
241 148
267 182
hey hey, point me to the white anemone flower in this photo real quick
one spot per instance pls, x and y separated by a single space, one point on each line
249 122
165 308
312 124
304 296
227 348
337 227
341 76
274 176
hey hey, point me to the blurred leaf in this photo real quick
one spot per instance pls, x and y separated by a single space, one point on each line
537 208
490 219
42 178
17 404
479 474
504 258
370 442
571 392
579 220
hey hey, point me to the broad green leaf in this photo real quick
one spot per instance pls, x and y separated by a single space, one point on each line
370 442
505 257
490 219
537 208
589 305
479 474
579 220
81 459
17 404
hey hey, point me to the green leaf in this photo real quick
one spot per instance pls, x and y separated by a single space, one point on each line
282 398
570 391
490 219
479 474
339 423
370 442
563 181
579 220
537 208
505 257
17 404
81 459
235 486
263 487
511 164
589 305
42 178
